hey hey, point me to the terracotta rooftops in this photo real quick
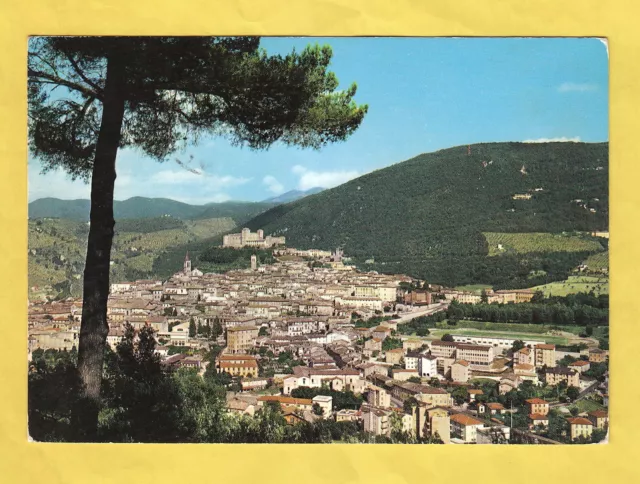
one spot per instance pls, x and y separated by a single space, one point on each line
537 416
598 413
545 347
579 421
537 401
462 419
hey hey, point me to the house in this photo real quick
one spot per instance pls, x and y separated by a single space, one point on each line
495 408
507 383
554 376
479 357
537 420
292 418
460 371
580 427
596 355
402 374
348 415
381 332
376 420
545 355
523 356
427 365
237 365
433 421
337 379
411 360
287 403
241 339
412 344
473 393
325 402
599 418
256 383
580 366
378 397
537 406
465 427
394 356
373 344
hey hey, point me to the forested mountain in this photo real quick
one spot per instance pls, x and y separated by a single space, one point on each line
141 207
426 216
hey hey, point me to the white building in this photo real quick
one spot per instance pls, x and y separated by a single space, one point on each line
427 365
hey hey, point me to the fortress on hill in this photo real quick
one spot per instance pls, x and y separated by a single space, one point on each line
246 238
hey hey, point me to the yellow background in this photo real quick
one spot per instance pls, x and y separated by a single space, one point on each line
618 461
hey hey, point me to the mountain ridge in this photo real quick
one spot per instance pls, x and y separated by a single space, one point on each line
426 215
145 207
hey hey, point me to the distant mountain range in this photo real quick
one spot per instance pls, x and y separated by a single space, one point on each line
142 207
293 195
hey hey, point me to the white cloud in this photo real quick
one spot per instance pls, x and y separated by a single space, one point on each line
56 183
298 169
185 177
325 179
561 139
273 185
576 87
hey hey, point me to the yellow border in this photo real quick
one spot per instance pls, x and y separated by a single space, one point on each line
21 461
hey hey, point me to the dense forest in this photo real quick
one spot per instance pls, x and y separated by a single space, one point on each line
426 216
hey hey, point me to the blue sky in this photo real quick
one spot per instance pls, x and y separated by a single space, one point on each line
424 94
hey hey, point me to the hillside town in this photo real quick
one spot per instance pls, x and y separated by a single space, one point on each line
321 339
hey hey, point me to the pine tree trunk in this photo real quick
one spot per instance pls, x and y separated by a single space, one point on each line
94 327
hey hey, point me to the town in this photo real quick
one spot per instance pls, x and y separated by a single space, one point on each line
322 340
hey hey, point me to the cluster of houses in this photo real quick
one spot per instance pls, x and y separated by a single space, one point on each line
306 311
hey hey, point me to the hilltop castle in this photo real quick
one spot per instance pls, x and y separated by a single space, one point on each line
246 238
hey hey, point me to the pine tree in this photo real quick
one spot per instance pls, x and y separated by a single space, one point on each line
90 96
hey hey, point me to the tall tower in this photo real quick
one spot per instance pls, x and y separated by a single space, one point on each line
254 262
187 264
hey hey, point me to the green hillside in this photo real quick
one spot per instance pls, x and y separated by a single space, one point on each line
141 207
426 216
57 249
499 243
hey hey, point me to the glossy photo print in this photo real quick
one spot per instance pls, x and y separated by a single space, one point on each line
318 240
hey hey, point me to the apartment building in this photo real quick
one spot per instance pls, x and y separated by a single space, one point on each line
241 339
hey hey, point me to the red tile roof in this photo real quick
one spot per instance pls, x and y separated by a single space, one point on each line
463 419
579 421
537 401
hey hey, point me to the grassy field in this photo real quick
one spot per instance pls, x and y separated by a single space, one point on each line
523 243
558 340
597 262
586 405
475 288
575 284
509 327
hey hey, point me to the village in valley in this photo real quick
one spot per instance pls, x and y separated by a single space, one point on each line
316 338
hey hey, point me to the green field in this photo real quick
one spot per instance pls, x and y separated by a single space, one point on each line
558 340
475 288
508 327
575 284
598 262
523 243
586 405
